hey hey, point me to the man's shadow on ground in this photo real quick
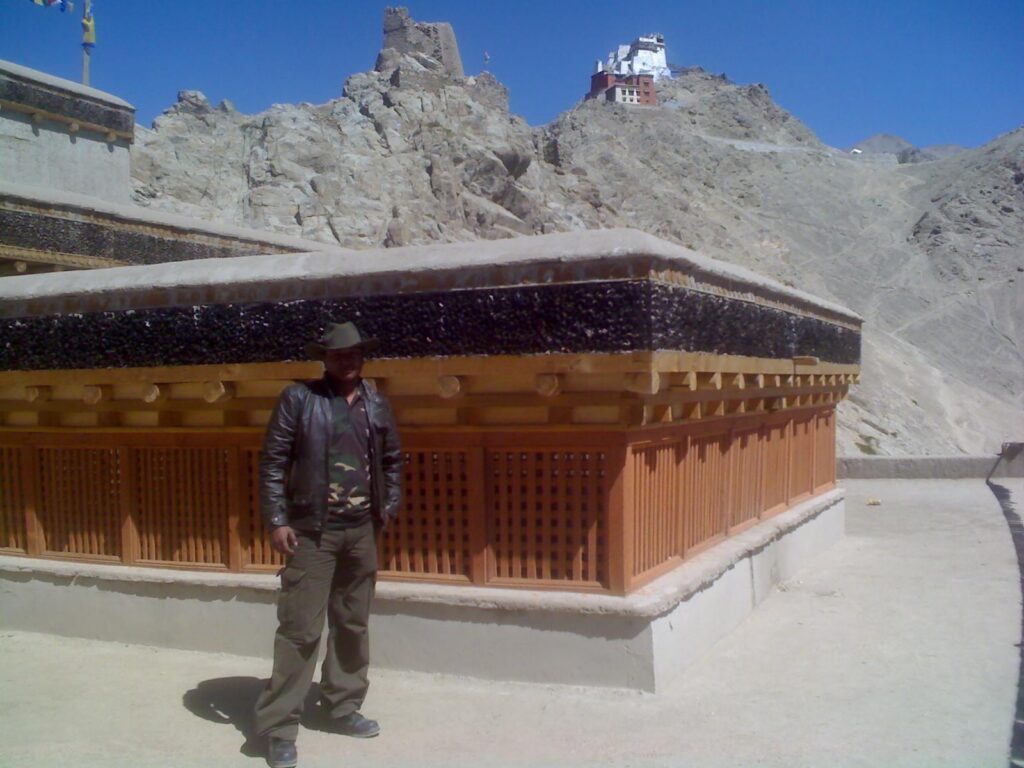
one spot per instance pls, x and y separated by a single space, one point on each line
230 700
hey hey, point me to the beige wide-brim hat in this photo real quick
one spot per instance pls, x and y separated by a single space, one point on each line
340 336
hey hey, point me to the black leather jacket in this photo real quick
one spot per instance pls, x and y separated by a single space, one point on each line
293 467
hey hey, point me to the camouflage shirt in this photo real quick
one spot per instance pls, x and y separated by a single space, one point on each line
348 462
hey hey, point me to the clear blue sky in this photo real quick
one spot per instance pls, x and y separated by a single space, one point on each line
932 71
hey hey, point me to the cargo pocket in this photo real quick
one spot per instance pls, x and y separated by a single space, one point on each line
288 599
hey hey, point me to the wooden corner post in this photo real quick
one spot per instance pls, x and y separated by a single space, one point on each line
619 547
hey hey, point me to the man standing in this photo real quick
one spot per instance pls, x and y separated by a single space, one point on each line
330 479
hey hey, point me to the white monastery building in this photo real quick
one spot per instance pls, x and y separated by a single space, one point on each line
644 56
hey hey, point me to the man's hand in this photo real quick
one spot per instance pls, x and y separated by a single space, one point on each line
284 540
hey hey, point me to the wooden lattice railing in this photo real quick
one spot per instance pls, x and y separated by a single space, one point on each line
689 488
606 510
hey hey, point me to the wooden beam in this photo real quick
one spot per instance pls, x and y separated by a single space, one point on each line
448 386
108 419
37 394
694 410
660 414
734 381
236 418
709 380
39 115
93 394
495 366
559 416
685 381
632 414
154 393
58 258
647 383
547 384
167 404
218 391
167 418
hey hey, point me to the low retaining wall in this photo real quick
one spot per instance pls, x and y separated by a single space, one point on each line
927 467
642 641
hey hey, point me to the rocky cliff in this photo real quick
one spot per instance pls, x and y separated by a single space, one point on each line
414 152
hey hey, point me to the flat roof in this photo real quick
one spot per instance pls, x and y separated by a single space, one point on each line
74 202
584 255
27 73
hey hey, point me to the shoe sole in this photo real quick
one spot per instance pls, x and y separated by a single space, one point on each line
359 735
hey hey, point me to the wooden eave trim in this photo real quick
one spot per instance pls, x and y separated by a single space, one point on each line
482 365
82 124
60 258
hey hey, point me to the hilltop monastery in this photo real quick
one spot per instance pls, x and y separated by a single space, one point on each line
629 74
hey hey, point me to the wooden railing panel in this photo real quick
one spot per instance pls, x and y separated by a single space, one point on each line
776 467
182 505
656 506
77 494
605 510
255 542
706 472
432 536
746 470
824 450
546 515
12 500
801 472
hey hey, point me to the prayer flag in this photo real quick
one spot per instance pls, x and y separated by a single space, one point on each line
88 31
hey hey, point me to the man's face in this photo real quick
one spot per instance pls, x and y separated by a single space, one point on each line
344 365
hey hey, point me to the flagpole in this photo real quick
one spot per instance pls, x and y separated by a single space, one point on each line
86 12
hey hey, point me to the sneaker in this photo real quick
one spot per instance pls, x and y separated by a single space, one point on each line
281 753
355 724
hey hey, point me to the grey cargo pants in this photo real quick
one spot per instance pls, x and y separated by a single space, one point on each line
334 573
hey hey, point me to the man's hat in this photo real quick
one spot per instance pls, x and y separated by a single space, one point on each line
340 336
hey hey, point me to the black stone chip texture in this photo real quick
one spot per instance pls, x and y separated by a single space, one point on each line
101 239
66 103
608 316
703 322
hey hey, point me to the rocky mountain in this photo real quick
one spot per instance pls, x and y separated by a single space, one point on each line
885 144
415 151
882 144
942 151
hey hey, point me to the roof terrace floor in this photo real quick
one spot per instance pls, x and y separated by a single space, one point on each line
896 648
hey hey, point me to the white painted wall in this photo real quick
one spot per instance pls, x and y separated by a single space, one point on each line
48 155
621 62
689 631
